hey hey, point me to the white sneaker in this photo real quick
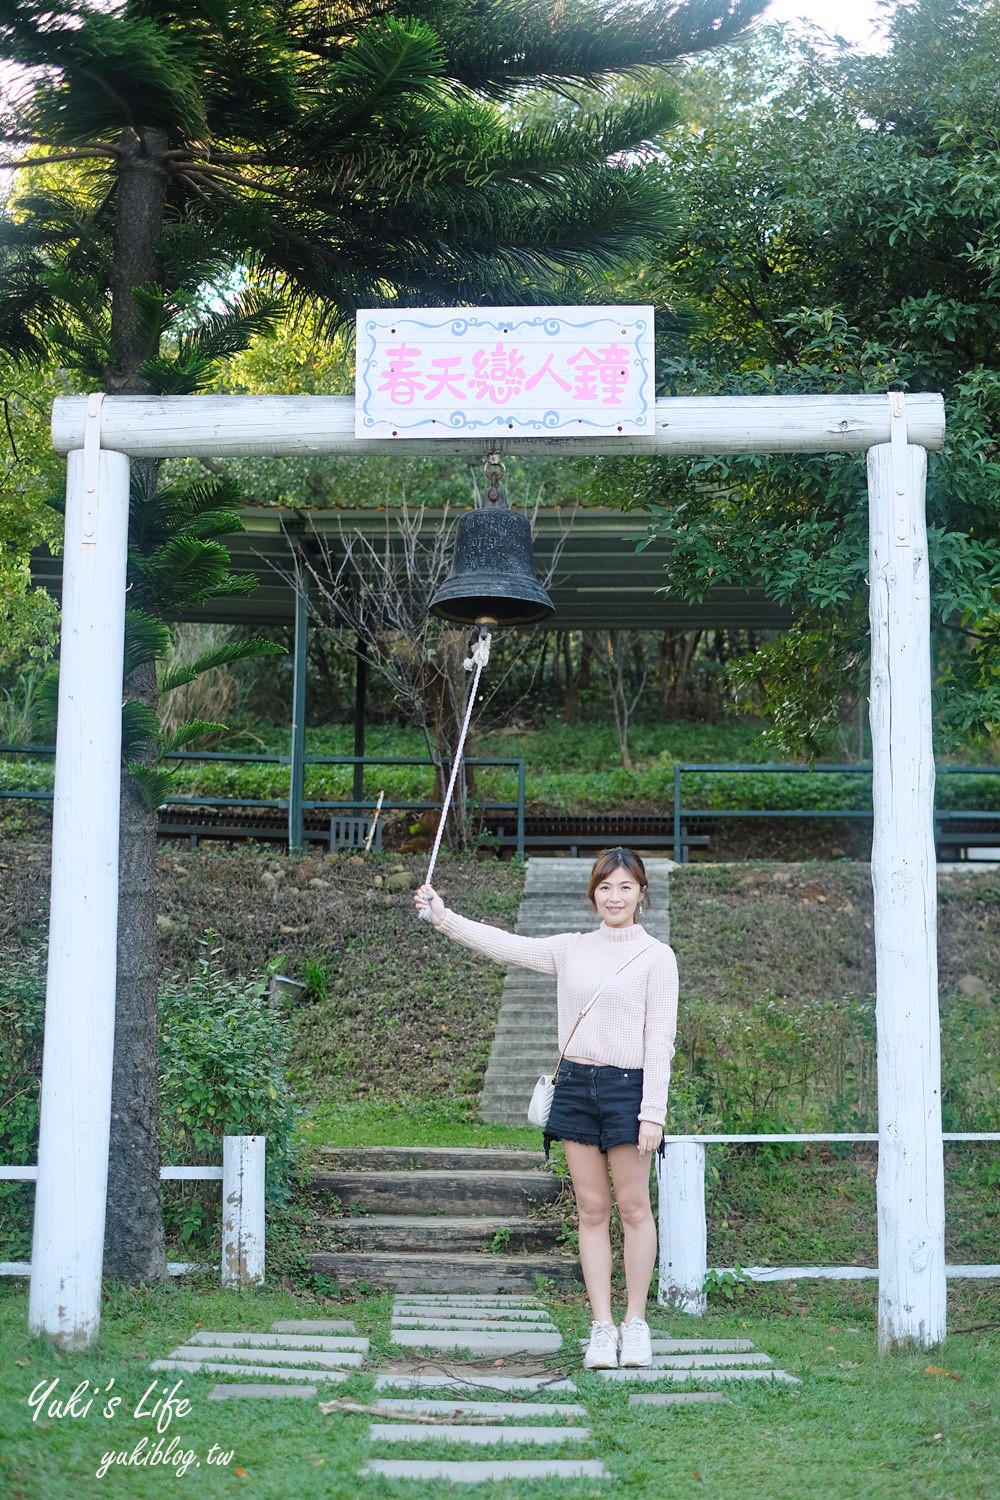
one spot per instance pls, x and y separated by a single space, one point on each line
601 1352
636 1345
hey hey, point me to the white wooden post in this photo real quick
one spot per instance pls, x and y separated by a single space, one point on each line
68 1246
910 1183
683 1230
242 1211
239 426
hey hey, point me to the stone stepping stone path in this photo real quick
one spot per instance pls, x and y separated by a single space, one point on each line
488 1327
298 1359
300 1353
704 1361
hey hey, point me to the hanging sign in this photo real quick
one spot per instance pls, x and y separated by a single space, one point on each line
504 372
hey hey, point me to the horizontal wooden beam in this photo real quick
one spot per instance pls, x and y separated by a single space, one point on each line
283 426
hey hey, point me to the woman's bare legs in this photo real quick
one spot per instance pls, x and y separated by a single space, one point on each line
630 1175
588 1168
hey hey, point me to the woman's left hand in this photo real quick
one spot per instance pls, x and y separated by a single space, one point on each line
650 1136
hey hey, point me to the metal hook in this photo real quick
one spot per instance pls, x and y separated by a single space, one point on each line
494 469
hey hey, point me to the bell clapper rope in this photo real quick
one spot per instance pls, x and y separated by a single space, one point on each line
474 662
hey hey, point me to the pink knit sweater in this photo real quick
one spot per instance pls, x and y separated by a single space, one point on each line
633 1022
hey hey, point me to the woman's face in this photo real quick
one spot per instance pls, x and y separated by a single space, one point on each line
617 897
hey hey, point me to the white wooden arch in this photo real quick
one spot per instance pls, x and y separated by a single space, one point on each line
101 434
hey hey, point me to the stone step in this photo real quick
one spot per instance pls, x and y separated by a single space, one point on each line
525 1057
449 1192
463 1301
224 1367
516 1068
429 1315
511 1095
700 1362
464 1432
428 1158
530 1012
535 1010
511 1043
476 1471
242 1391
431 1272
485 1341
778 1376
331 1343
313 1325
444 1232
515 1018
459 1381
501 1409
328 1359
675 1398
535 1006
664 1344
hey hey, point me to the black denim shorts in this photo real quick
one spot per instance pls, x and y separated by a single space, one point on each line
595 1106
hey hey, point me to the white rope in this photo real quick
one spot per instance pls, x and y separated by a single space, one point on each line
478 659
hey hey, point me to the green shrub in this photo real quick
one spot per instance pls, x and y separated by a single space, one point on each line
774 1064
223 1050
22 1017
970 1059
22 773
223 1054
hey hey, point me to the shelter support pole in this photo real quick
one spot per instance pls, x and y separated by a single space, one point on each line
910 1184
300 659
360 716
68 1246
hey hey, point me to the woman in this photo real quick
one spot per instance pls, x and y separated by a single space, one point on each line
611 1091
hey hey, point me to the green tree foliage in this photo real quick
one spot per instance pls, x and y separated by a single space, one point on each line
29 475
840 215
345 154
360 153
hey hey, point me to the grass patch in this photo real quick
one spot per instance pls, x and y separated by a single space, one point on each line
859 1427
450 1121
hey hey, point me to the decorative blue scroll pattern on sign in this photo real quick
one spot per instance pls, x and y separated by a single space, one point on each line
425 372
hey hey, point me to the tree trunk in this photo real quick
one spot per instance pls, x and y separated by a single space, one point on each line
576 685
141 204
134 1248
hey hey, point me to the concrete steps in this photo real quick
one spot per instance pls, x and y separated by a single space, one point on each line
447 1232
418 1219
449 1192
443 1271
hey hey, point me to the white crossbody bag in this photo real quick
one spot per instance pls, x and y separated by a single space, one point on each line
542 1094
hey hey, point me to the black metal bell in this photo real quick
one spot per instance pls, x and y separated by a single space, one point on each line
493 576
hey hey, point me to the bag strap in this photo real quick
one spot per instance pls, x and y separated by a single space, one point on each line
596 995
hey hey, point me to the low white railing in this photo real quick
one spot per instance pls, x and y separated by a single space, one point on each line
242 1177
684 1227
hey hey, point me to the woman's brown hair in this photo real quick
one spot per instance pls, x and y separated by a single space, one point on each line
618 859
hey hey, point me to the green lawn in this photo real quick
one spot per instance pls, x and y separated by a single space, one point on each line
914 1426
